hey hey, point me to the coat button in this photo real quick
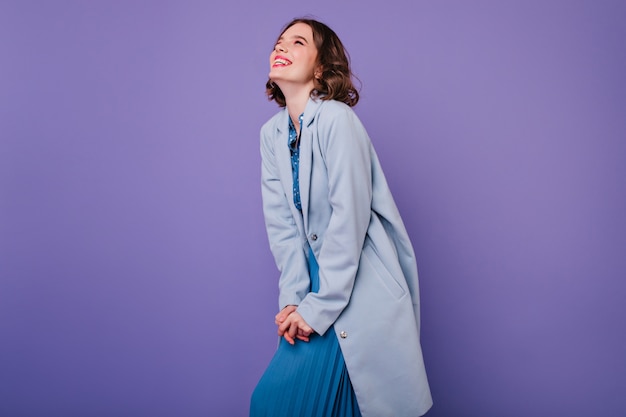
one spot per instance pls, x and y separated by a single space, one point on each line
343 335
313 237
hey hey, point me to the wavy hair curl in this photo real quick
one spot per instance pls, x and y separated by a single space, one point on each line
335 82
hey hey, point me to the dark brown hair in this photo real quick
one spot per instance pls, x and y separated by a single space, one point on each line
335 82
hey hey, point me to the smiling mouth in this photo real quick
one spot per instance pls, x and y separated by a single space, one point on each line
281 62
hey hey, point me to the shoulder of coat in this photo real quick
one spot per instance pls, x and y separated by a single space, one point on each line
274 123
334 106
332 109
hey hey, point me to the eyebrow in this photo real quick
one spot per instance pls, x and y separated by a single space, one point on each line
295 37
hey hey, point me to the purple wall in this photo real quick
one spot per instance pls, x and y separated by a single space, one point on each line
135 275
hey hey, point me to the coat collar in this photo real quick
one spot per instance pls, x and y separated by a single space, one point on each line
310 111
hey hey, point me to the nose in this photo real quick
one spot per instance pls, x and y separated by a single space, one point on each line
280 48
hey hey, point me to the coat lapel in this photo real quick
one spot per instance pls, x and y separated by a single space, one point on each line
306 156
284 165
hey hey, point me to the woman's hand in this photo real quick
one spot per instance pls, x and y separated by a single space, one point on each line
280 317
294 326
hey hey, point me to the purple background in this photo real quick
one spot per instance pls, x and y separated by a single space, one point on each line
135 274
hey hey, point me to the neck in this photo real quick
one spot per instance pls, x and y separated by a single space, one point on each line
296 98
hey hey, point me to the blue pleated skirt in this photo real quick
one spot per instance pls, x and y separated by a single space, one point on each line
308 379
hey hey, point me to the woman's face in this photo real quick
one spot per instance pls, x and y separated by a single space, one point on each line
294 58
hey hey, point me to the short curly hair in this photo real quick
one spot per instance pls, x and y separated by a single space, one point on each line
335 82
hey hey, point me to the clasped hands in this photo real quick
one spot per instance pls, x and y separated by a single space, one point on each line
292 326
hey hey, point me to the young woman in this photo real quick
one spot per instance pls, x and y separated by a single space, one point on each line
349 301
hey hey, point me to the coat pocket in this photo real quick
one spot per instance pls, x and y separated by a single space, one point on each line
376 264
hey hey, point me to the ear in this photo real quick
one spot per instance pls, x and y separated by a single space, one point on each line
319 70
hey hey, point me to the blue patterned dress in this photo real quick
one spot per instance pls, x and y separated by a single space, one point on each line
307 379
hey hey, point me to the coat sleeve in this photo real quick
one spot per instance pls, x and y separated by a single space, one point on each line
285 240
345 148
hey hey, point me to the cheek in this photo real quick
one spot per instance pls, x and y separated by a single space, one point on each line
314 62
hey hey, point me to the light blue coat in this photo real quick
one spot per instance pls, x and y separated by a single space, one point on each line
367 270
